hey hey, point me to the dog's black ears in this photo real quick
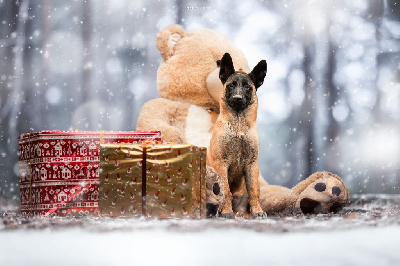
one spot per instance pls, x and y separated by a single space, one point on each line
226 68
258 73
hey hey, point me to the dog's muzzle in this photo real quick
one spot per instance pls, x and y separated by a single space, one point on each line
237 99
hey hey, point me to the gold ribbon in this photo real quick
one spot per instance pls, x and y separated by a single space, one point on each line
101 137
144 191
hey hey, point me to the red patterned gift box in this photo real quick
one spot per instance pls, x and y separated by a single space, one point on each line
59 170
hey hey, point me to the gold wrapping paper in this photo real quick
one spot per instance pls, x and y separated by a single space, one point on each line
173 174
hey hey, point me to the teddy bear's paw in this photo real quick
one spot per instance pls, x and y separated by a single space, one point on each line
214 193
322 192
228 215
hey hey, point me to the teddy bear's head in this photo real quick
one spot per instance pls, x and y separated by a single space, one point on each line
189 71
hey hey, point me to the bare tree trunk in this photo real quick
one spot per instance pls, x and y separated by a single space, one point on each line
307 111
44 71
333 91
86 85
7 153
179 12
17 92
376 13
13 102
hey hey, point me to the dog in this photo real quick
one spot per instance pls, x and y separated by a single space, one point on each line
234 145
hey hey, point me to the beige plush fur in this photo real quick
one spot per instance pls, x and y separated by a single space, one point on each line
190 90
188 83
329 202
304 198
214 193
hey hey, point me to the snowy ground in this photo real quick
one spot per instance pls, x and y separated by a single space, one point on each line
365 233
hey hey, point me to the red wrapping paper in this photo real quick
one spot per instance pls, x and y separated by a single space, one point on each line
59 170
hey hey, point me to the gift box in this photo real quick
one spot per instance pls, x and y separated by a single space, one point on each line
153 180
59 170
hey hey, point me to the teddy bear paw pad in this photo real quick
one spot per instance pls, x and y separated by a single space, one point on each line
212 209
309 206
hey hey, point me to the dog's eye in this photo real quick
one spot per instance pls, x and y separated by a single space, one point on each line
218 63
230 86
247 87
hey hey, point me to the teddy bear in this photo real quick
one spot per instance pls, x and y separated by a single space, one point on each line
190 90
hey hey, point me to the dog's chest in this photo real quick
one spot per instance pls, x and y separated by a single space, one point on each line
240 154
241 146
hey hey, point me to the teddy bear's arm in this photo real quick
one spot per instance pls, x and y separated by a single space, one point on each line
322 192
166 116
275 199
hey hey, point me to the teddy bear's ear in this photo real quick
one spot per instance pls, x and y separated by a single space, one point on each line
168 38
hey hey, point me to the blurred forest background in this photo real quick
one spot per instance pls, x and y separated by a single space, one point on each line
331 99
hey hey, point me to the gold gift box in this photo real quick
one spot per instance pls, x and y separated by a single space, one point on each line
153 180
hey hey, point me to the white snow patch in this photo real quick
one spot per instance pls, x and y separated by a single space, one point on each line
365 246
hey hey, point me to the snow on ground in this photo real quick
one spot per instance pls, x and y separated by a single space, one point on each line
365 233
365 246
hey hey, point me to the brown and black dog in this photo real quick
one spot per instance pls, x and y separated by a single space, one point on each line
234 145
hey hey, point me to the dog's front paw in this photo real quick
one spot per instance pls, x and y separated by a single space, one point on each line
245 215
259 215
256 210
228 215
